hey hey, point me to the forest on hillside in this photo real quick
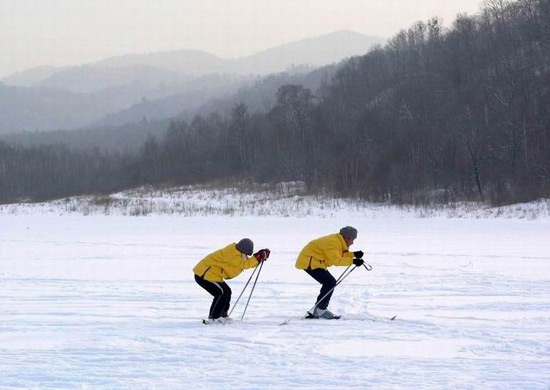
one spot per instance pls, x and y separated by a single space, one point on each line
435 115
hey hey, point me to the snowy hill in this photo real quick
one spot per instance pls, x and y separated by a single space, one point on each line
281 200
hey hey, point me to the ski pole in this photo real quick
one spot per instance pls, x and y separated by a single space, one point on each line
340 280
340 277
336 284
253 286
241 294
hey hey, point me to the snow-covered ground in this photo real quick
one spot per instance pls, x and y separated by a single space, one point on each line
108 302
289 199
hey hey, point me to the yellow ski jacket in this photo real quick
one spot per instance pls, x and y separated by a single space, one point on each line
225 263
325 252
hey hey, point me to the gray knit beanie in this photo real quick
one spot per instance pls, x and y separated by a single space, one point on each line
349 232
246 246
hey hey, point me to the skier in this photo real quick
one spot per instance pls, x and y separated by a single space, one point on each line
225 263
322 253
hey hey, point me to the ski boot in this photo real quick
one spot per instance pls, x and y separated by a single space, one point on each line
214 321
323 314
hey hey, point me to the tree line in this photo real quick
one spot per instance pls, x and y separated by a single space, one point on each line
436 115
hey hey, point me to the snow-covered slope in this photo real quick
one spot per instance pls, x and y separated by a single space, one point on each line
288 199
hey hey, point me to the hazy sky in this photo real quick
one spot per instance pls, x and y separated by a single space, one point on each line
65 32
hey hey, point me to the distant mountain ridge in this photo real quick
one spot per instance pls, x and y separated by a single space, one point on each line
77 96
316 51
30 77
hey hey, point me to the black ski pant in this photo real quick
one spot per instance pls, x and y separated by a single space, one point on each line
327 283
222 296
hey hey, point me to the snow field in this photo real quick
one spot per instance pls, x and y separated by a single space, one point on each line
109 302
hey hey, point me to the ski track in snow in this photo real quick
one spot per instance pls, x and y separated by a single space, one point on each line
108 302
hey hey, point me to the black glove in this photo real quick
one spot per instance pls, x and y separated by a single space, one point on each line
358 262
358 254
267 253
261 255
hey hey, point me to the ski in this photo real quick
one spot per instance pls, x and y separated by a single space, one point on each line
380 319
285 322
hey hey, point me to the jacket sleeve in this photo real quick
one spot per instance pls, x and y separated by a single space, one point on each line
239 262
335 257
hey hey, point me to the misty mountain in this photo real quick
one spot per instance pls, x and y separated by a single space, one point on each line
140 78
259 97
29 108
156 85
318 51
46 109
208 96
197 92
168 67
128 129
189 62
30 77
